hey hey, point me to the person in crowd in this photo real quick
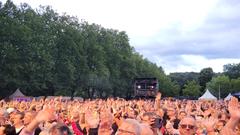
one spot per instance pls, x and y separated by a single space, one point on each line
28 117
113 115
146 130
182 114
172 116
231 125
60 129
187 126
106 122
7 130
129 127
79 126
153 121
18 121
45 115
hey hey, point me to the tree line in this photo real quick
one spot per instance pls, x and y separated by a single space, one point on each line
44 53
220 84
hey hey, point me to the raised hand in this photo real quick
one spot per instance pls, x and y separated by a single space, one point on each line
45 115
48 114
233 108
92 118
209 123
158 96
106 121
207 112
188 107
169 127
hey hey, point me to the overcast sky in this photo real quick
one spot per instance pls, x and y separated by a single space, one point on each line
179 35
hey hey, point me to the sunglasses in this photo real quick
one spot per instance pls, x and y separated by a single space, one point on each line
184 126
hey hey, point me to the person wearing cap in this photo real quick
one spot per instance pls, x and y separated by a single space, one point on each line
10 110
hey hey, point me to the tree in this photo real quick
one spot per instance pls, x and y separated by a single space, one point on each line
205 76
220 84
192 89
235 85
43 53
182 78
232 70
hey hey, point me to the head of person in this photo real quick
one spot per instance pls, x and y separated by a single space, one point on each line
28 117
160 112
22 106
38 107
3 116
171 111
74 114
7 130
224 116
220 124
187 126
146 129
147 117
132 114
82 118
18 118
3 113
11 112
182 114
106 121
59 129
129 127
105 129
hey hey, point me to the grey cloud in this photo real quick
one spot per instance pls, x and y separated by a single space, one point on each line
217 38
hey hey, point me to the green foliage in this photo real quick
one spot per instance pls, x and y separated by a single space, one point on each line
43 53
232 70
222 83
182 78
235 84
205 76
192 89
168 88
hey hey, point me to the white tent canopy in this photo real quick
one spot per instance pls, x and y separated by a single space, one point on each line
19 96
63 98
17 93
207 96
228 97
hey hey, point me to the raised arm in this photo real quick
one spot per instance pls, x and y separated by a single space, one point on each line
157 101
234 110
42 116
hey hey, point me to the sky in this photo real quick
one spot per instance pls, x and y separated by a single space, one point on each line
179 35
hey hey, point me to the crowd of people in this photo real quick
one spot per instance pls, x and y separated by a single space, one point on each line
117 116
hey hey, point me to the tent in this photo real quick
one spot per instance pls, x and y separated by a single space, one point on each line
17 93
19 96
237 95
207 96
78 98
228 97
57 97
